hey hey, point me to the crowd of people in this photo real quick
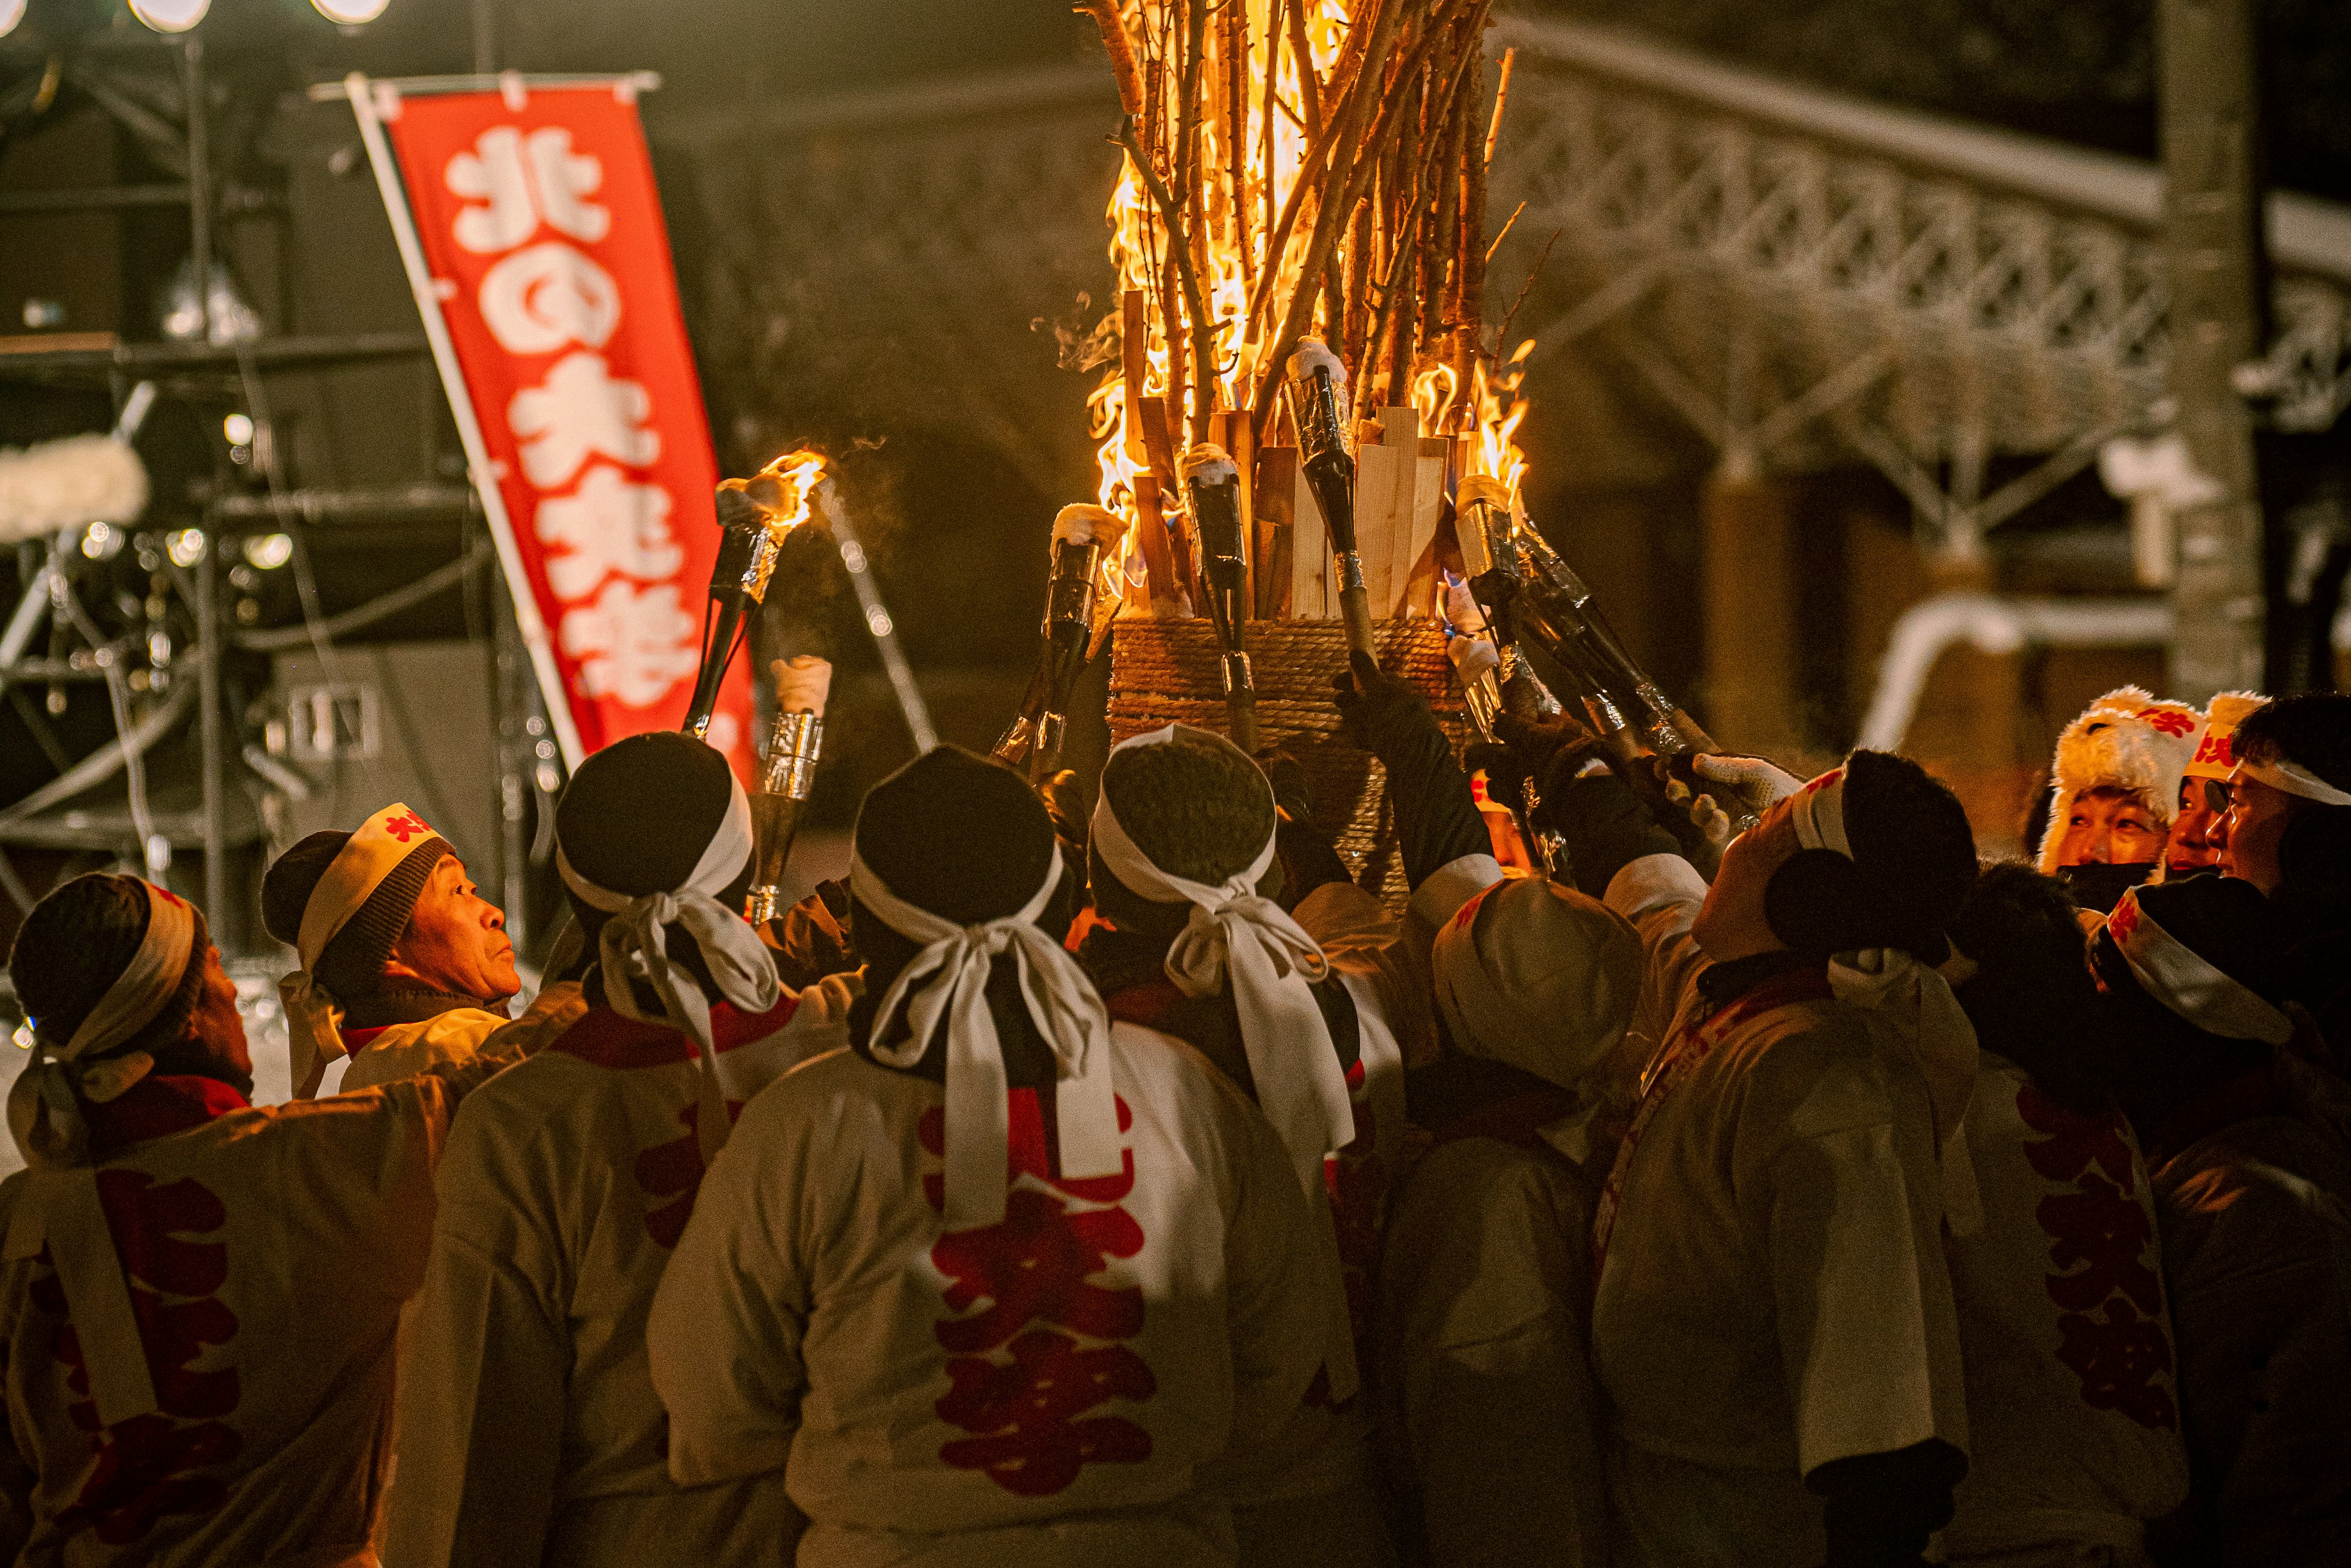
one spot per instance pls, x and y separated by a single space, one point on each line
1136 1188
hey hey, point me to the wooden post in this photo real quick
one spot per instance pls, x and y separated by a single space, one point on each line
1750 599
2212 229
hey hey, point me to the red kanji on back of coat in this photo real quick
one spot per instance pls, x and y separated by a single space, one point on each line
1031 1277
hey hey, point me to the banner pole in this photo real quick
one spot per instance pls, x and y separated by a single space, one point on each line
528 620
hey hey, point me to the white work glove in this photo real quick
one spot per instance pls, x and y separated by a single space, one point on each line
1749 781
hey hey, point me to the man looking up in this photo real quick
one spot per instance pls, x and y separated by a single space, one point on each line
2116 776
200 1298
2288 833
529 1430
403 963
1773 1322
2194 846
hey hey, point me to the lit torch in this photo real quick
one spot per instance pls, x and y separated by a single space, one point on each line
786 774
1214 483
1084 536
1318 385
754 516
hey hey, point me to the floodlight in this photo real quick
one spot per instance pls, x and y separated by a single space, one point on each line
350 13
11 12
170 15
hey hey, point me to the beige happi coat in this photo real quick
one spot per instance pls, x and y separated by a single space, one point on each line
401 1051
1044 1391
268 1250
1487 1387
2072 1404
1773 1294
529 1430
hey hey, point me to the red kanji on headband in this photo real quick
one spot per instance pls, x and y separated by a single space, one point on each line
405 828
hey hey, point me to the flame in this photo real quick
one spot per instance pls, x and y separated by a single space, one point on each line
787 489
1229 253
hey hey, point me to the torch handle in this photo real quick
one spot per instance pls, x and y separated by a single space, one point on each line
775 823
1356 606
786 779
1240 698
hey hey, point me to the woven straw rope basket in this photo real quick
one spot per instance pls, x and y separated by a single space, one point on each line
1166 671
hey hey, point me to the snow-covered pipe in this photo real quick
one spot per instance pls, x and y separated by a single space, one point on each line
1993 624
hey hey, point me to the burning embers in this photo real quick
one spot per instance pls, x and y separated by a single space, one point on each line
1294 171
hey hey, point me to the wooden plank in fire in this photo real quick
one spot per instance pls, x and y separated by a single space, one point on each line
1274 498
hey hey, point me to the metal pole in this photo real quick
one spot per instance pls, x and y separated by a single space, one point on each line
208 702
200 182
2213 236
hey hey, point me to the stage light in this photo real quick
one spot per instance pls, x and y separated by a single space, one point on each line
185 547
170 15
101 541
267 552
350 13
237 429
11 12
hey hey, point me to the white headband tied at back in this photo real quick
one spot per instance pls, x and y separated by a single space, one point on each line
1819 813
949 979
634 946
2281 773
1271 961
2188 983
63 1212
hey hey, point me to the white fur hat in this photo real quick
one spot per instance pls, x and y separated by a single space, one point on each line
2127 740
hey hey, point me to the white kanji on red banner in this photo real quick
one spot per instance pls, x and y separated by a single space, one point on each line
539 218
549 297
633 643
522 182
582 410
608 524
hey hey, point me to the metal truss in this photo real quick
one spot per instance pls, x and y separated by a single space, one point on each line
1919 295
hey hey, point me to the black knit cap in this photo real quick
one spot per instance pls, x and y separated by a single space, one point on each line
352 963
956 834
639 814
964 838
2222 920
77 941
1199 810
1911 840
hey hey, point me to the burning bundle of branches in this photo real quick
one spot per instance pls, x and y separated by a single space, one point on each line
1301 172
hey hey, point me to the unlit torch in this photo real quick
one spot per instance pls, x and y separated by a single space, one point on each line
1083 536
1318 388
786 774
1214 483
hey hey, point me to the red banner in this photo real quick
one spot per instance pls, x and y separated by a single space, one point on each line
537 216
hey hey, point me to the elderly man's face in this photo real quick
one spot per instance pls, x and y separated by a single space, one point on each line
2108 826
457 940
2252 830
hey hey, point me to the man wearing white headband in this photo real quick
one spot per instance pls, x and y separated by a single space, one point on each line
2252 1190
1182 865
999 1282
1774 1321
199 1298
530 1429
2193 848
2288 833
403 963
